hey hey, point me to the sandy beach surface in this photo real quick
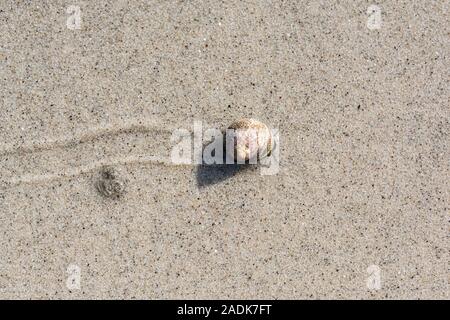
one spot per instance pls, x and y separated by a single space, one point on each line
359 92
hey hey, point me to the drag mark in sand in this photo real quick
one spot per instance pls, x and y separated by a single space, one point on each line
35 179
95 133
64 158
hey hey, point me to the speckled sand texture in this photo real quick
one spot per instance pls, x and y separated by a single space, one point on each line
363 113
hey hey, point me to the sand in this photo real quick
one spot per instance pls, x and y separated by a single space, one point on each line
358 209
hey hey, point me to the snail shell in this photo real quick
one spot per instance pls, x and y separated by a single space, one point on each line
110 184
252 140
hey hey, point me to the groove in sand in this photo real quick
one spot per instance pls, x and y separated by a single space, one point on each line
94 134
130 160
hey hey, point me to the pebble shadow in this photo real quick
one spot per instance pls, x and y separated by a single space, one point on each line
212 174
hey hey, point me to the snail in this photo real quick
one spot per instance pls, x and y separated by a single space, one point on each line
252 141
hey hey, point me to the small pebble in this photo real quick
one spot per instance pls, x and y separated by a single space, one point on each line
253 140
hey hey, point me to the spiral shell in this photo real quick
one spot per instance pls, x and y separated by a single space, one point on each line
111 184
252 140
